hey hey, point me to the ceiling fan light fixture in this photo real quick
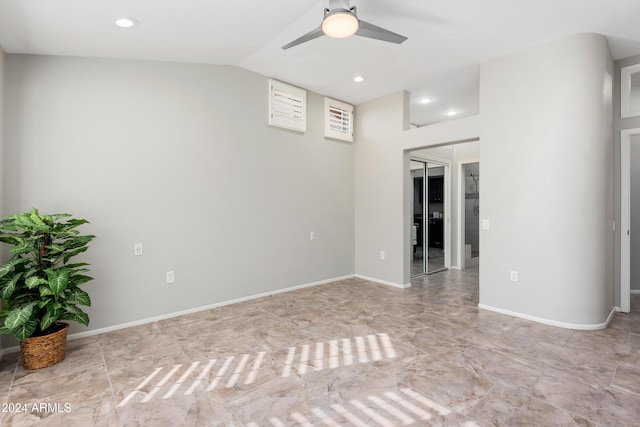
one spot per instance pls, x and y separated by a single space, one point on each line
340 24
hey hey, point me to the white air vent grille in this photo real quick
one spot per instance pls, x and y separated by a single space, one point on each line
338 120
287 106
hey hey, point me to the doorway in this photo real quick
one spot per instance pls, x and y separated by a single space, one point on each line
470 214
428 224
629 216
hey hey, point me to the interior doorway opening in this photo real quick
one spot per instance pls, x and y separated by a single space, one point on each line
421 162
470 214
629 218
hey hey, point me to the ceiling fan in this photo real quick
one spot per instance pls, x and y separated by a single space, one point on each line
342 21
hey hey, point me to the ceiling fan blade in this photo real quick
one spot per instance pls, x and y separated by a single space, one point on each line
314 34
371 31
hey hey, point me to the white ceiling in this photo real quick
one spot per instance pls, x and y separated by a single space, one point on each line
447 40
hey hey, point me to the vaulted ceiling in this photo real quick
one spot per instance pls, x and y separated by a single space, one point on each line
447 40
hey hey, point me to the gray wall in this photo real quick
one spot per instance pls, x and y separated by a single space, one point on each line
380 220
180 158
547 182
620 124
635 212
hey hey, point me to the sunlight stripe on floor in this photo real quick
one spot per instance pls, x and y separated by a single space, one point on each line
376 354
427 402
371 413
289 362
304 359
362 350
319 362
387 346
276 422
236 373
334 359
349 416
401 416
346 348
257 364
301 419
181 380
424 415
220 373
325 418
161 384
203 374
140 387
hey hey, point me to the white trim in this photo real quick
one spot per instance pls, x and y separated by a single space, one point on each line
625 217
429 159
576 326
625 91
383 282
94 332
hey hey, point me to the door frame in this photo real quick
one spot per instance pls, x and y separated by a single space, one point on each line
461 210
447 202
625 218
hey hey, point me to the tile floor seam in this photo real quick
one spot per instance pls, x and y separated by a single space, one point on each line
13 378
484 396
111 388
568 339
613 376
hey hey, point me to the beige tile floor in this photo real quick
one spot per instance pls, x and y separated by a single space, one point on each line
347 353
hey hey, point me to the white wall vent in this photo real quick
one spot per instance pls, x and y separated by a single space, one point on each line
287 106
338 120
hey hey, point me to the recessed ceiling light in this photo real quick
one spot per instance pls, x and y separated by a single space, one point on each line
126 22
425 100
358 79
451 113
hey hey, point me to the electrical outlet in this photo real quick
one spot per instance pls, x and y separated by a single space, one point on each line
514 276
382 255
312 235
171 278
137 249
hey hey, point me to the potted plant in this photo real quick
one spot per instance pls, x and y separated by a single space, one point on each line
39 286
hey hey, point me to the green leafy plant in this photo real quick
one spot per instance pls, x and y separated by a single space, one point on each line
38 285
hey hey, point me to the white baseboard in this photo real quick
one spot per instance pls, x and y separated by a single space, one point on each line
99 331
576 326
383 282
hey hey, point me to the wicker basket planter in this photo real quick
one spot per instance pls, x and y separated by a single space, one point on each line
41 352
